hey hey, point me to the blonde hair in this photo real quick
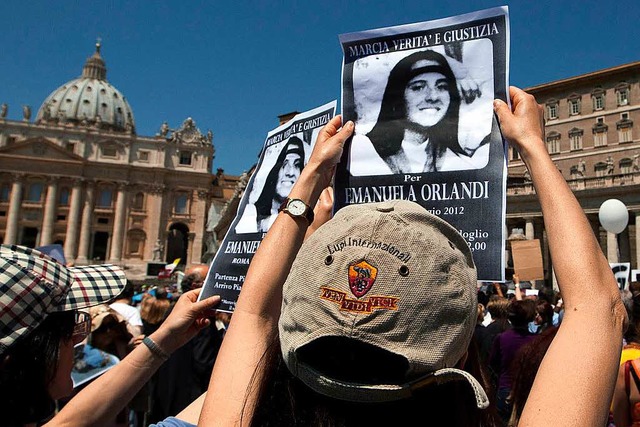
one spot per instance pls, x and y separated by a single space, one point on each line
153 310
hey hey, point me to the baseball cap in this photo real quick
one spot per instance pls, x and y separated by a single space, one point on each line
395 280
34 285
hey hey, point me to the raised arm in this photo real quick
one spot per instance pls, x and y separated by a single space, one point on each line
254 324
576 378
108 394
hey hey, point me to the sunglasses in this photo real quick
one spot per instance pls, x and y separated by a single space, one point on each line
82 327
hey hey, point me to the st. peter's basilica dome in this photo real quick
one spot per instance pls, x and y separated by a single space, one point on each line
89 101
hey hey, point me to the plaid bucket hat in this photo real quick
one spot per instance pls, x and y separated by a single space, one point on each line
393 278
34 285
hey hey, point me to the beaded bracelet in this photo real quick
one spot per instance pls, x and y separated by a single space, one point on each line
155 348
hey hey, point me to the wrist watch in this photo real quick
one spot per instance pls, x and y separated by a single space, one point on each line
297 208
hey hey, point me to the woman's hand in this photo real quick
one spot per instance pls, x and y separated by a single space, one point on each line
328 149
523 126
322 212
186 319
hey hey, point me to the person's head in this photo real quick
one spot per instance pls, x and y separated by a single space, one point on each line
480 317
107 328
128 291
422 95
631 301
282 176
380 303
154 309
544 312
498 307
41 318
521 313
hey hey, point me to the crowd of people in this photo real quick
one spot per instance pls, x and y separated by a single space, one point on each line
356 336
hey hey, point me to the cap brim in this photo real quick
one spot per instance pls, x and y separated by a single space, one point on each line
378 393
93 285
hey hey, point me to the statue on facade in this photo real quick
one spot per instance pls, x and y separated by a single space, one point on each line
636 162
209 136
582 168
158 249
4 109
26 112
164 129
46 112
610 165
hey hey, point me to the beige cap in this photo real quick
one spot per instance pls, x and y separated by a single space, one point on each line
390 276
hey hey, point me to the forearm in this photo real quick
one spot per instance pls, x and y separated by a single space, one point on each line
254 324
575 252
585 352
108 394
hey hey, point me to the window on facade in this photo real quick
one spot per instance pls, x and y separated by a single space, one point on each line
599 139
185 157
515 155
625 134
105 198
136 240
63 200
35 192
180 206
553 143
601 169
626 165
143 156
575 139
574 172
552 111
5 192
574 106
109 151
71 147
622 96
138 201
598 102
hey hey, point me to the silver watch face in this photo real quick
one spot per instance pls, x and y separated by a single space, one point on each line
296 207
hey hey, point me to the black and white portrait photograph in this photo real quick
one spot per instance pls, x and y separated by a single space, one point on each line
280 169
423 110
421 97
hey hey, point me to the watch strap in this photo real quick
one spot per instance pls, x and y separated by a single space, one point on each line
307 214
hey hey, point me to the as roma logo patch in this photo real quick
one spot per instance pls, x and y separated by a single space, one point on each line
361 277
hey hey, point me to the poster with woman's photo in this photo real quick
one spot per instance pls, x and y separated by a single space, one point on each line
285 153
421 97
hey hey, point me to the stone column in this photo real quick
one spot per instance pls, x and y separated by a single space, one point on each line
11 232
637 214
612 247
118 225
50 206
85 227
71 237
155 215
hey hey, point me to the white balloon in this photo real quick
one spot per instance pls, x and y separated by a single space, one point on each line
613 216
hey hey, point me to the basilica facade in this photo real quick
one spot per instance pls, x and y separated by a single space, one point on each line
591 133
78 175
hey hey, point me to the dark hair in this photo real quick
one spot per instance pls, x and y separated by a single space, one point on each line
127 292
545 310
524 367
388 132
187 282
521 313
265 201
285 400
632 305
29 366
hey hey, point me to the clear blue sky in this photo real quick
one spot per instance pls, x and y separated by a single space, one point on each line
234 66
